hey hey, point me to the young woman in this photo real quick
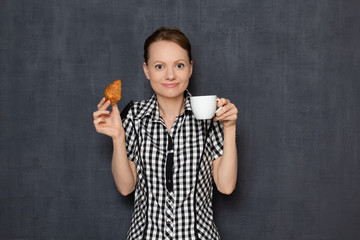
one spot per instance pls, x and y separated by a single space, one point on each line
164 153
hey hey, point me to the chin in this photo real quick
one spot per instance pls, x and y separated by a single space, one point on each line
170 95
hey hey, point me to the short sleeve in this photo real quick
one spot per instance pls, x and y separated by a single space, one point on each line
130 137
217 139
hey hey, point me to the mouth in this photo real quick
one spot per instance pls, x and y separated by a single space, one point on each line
170 85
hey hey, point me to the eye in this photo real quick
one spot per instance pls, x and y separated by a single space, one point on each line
179 66
159 67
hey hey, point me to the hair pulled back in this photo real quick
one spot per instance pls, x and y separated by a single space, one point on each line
168 34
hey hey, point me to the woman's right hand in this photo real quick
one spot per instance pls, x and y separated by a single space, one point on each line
108 123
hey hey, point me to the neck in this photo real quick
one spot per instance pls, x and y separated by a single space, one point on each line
170 108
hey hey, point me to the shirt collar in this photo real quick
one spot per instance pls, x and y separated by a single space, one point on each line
151 107
187 106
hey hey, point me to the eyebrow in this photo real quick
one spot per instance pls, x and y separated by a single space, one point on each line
156 62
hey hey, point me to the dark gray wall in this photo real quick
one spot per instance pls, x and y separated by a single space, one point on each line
291 68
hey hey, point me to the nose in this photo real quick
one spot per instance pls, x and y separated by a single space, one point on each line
170 74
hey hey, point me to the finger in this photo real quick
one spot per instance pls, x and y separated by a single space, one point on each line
100 112
102 101
222 102
230 115
105 105
100 127
221 110
99 121
227 108
114 107
217 110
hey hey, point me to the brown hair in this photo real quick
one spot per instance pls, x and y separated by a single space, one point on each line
169 34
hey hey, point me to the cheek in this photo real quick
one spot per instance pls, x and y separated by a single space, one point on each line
158 78
153 75
185 75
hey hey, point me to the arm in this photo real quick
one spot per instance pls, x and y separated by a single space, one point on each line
123 169
225 167
110 124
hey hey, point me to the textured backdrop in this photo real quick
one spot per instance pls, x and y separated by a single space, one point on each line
291 68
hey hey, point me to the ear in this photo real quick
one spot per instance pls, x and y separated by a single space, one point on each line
146 70
191 68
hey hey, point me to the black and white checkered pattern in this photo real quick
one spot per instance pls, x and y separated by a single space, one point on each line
185 210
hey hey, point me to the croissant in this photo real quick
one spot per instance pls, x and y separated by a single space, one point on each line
113 92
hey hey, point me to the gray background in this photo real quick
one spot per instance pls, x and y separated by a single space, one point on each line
291 68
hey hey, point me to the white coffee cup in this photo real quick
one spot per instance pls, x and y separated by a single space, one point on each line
203 107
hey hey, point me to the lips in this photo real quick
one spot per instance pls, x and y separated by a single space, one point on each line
170 85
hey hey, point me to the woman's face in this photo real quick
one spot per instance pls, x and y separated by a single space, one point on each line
168 69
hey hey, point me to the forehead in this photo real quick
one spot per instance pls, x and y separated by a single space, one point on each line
166 51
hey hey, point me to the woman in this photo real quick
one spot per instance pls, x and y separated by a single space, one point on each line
164 153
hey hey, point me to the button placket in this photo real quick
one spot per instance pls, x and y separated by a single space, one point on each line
169 165
169 201
169 212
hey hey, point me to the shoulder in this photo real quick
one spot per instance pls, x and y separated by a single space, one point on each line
133 109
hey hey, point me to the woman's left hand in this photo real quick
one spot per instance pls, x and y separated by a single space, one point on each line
227 113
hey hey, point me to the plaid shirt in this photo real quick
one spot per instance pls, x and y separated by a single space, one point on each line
173 194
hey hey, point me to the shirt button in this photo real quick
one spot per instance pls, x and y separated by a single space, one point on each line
168 222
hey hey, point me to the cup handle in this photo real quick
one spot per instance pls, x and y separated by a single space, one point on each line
219 107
